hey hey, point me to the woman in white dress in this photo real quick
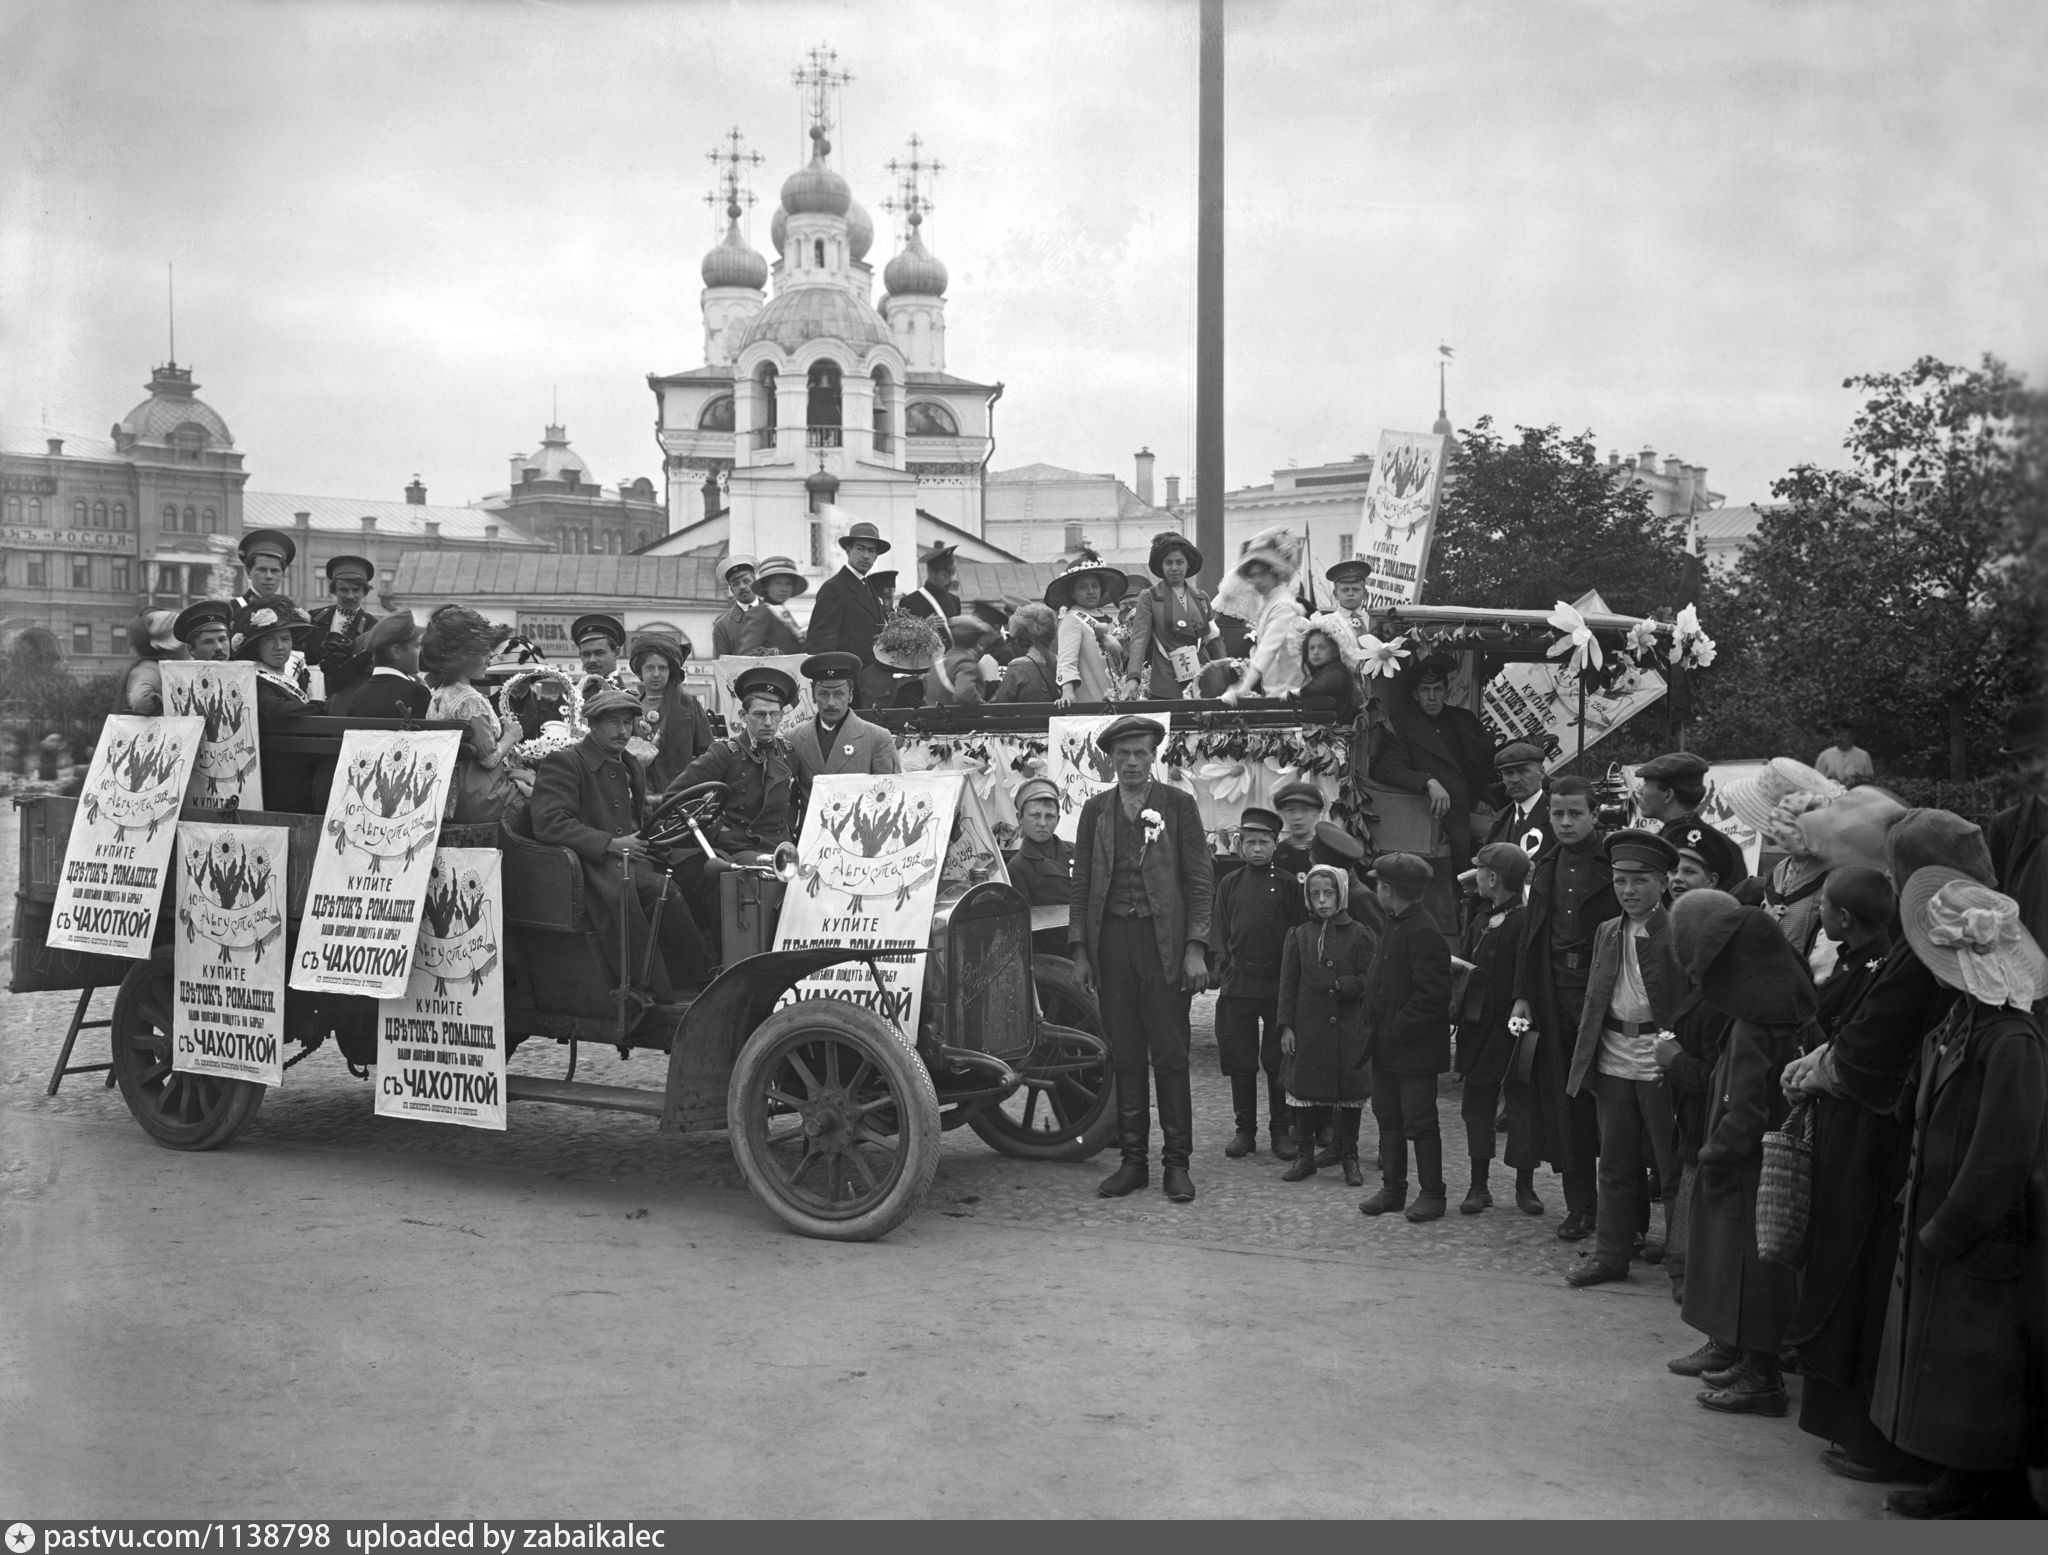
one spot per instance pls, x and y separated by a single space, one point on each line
1091 638
1272 670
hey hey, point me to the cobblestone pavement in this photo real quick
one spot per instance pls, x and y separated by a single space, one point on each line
1239 1202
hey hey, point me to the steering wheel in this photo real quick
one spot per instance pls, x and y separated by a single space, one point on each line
669 823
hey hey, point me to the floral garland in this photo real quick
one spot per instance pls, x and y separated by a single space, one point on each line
555 735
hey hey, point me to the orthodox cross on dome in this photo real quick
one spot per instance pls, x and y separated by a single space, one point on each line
733 161
914 175
819 77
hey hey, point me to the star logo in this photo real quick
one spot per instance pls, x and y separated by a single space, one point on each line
20 1538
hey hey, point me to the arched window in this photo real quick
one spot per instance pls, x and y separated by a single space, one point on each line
823 407
926 419
562 541
715 417
209 522
35 510
14 510
99 515
881 412
120 515
191 520
765 379
170 518
818 253
78 514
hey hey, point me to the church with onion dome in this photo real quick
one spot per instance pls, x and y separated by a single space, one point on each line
820 402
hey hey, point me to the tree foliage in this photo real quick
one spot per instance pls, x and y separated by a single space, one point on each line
1527 522
1900 591
39 696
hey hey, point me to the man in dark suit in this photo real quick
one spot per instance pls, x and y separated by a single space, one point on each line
589 799
391 686
338 627
1525 819
936 601
1139 926
1433 748
1408 1034
737 574
847 615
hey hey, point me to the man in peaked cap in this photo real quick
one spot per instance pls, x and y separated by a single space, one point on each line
265 553
837 739
736 572
337 626
937 600
1255 907
760 807
848 616
599 639
203 628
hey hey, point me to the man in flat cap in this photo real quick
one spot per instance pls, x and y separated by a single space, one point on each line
265 553
1255 907
1525 819
336 627
760 809
1042 864
848 616
1139 926
1670 789
1633 995
937 601
737 574
1408 1034
837 739
591 799
203 628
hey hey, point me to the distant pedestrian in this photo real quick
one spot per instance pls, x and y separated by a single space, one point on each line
1845 761
1255 909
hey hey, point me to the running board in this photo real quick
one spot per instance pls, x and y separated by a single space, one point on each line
572 1093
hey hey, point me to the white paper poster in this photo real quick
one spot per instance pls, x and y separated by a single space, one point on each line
1540 703
375 854
119 855
227 1017
441 1044
227 774
724 671
869 862
1079 767
1399 521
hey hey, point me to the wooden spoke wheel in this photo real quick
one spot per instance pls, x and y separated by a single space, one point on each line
1066 1108
834 1120
181 1111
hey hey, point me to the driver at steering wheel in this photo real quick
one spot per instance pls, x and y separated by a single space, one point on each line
759 811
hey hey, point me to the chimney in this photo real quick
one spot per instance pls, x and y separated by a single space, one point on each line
56 446
1173 491
1613 460
1672 465
490 531
1647 460
518 467
416 493
433 529
1144 487
369 523
710 494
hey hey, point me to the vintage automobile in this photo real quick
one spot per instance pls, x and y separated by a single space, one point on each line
833 1111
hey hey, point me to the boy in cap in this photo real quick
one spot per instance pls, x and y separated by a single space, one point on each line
1255 907
337 626
1632 996
1485 1043
1408 1034
265 554
1348 580
1708 859
1042 865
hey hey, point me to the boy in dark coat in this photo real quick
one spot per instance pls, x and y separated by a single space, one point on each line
1570 896
1749 972
1490 943
1323 981
1255 908
1856 909
1408 1032
1042 867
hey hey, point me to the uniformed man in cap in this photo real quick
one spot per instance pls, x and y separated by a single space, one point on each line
266 553
848 615
203 628
599 640
737 574
937 601
1348 579
337 626
837 739
591 799
760 809
1042 865
1139 929
1408 1034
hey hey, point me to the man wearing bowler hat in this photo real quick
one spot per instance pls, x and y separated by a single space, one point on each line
1138 925
265 553
337 626
837 739
2015 833
848 615
936 601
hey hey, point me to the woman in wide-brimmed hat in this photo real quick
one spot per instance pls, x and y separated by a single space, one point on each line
1776 802
1962 1375
152 637
1091 639
905 648
1171 622
1268 568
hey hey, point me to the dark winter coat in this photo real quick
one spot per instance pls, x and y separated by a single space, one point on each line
1178 871
1510 826
1490 943
1453 748
1323 979
1962 1378
1408 1000
582 798
389 696
1555 1039
1855 970
846 617
1702 1032
1255 910
759 810
1759 981
1335 684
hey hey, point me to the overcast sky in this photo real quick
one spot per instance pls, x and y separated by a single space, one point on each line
397 226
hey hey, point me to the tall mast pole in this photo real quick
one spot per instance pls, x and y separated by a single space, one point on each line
1209 299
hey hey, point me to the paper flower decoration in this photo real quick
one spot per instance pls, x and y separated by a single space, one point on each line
1229 782
1642 639
1382 658
1577 638
1691 647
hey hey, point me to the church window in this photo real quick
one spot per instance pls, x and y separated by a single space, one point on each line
717 416
765 378
823 413
926 419
818 252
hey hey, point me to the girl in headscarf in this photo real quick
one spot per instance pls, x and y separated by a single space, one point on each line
1322 1021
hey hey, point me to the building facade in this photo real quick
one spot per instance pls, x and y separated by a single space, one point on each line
553 497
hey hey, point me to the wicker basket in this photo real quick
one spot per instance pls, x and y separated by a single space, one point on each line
1784 1194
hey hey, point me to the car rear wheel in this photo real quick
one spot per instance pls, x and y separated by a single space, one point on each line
178 1110
1066 1108
835 1123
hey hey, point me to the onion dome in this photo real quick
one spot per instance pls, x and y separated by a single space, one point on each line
734 262
555 458
778 230
914 272
860 231
816 187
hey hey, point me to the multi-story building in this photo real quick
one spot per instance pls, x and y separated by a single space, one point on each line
553 498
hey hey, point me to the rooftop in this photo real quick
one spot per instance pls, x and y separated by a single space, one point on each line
345 515
473 575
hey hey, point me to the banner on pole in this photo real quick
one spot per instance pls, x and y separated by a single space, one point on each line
126 825
1081 768
441 1044
1399 521
372 861
1539 703
227 774
227 1017
869 861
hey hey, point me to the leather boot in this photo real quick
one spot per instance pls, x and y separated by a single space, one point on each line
1478 1196
1393 1192
1431 1202
1332 1153
1757 1387
1525 1192
1304 1166
1282 1118
1348 1119
1177 1133
1244 1103
1134 1135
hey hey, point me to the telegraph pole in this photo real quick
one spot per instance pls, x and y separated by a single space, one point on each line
1209 299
